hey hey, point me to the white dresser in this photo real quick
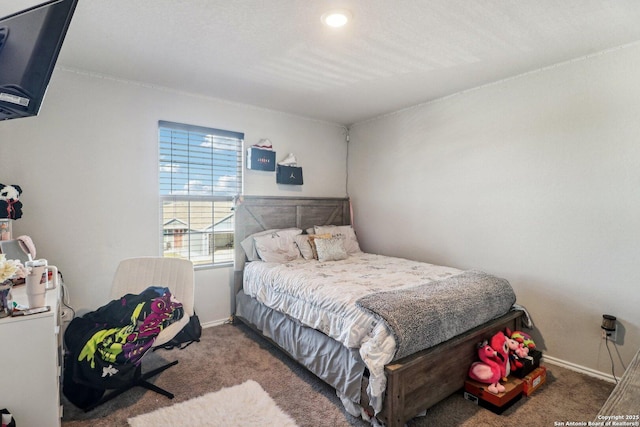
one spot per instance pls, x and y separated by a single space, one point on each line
31 363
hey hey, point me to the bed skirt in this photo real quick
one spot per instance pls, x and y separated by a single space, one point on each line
335 364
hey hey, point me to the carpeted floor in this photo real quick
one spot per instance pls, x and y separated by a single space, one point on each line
230 355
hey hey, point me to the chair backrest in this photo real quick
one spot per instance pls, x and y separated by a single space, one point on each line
134 275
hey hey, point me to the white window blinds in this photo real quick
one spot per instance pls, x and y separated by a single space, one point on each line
200 171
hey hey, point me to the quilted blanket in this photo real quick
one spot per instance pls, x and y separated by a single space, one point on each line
423 316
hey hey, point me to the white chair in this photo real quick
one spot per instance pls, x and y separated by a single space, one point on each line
133 276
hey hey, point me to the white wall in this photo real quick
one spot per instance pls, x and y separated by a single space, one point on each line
88 166
535 179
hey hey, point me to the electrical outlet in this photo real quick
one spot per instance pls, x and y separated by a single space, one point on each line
609 335
66 315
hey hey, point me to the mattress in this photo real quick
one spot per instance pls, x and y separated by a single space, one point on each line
324 296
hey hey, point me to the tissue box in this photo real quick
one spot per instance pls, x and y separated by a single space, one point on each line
291 175
528 364
260 159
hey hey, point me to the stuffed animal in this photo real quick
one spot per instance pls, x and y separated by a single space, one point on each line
520 349
522 337
487 370
517 351
10 206
499 343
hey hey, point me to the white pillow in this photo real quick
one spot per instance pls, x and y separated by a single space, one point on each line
331 249
350 240
277 247
248 244
302 240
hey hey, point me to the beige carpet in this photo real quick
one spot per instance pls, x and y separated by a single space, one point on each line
243 405
230 355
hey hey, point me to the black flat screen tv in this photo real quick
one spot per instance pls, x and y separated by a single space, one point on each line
30 41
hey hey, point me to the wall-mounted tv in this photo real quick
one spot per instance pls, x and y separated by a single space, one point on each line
30 41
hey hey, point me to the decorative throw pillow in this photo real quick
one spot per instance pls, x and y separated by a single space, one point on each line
249 247
312 242
350 240
331 249
302 240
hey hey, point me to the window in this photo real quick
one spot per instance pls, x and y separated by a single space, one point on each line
200 173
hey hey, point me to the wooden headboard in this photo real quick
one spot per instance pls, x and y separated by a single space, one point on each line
259 213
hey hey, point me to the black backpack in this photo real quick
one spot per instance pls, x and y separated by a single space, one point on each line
189 334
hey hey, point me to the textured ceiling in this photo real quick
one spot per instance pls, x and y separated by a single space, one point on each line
276 54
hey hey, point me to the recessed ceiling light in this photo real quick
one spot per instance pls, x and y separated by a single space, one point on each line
336 18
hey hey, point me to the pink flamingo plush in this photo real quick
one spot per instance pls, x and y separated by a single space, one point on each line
500 344
487 370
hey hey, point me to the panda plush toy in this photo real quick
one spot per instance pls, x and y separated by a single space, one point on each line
10 206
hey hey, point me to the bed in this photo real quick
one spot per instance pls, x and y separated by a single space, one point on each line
381 363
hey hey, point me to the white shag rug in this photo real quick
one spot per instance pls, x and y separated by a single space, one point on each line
243 405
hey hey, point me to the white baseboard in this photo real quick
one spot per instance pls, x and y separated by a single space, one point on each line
214 323
578 368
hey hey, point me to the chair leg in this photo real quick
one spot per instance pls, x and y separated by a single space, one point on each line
140 380
153 387
156 371
107 397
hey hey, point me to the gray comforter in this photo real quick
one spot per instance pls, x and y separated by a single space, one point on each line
428 314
